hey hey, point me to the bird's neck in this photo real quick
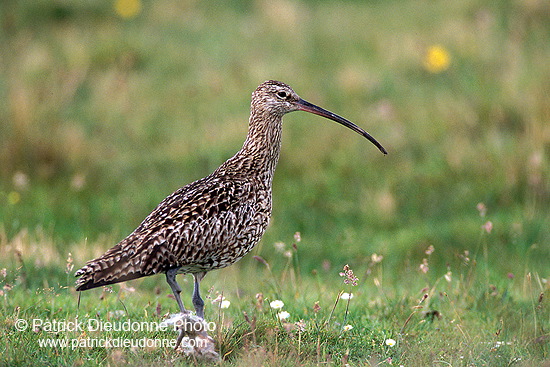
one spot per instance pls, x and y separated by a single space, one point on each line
260 152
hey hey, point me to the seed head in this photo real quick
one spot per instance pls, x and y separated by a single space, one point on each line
349 277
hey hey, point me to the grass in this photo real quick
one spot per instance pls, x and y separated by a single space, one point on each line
454 318
103 116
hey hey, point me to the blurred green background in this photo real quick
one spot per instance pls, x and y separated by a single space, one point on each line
107 107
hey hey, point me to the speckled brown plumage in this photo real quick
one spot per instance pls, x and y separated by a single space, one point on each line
215 221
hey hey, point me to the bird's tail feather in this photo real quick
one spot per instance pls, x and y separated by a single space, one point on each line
110 268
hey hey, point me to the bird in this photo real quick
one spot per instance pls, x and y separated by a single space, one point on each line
215 221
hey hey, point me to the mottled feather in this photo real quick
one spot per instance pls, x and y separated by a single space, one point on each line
206 225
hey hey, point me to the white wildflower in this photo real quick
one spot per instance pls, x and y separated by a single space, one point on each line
279 246
225 304
277 304
283 315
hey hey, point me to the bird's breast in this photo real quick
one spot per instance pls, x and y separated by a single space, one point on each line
224 232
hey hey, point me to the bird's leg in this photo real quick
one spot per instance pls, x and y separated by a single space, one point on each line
176 289
179 339
197 300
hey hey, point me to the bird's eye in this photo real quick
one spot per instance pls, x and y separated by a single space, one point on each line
282 94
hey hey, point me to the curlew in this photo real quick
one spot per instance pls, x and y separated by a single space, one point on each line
213 222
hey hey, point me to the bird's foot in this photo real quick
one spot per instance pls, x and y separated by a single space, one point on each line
193 339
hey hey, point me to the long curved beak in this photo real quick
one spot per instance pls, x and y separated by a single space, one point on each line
310 107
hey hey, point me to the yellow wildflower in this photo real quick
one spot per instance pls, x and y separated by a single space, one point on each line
127 8
437 59
14 197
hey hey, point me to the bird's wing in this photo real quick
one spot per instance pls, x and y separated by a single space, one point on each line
187 229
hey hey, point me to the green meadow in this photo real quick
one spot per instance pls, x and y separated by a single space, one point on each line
107 107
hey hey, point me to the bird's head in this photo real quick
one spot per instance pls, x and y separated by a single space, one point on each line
277 98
